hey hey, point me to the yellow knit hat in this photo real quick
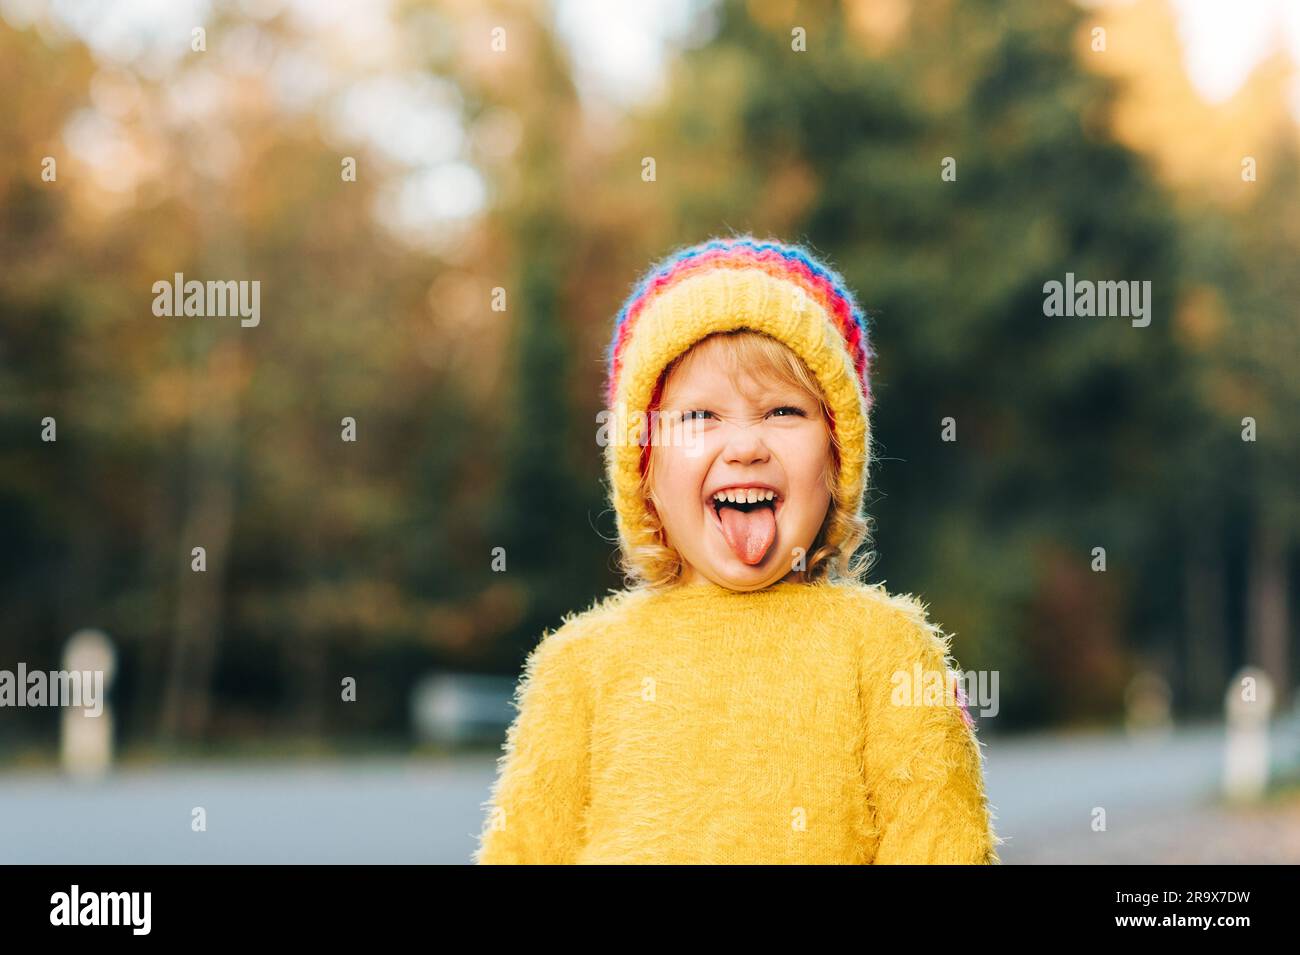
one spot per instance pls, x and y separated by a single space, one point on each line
723 285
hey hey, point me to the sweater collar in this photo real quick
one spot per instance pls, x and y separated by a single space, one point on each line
708 590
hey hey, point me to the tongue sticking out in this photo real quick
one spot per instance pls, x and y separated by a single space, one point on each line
750 533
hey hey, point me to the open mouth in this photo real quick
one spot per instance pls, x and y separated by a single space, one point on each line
746 519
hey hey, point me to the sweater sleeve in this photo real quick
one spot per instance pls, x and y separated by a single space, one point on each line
922 761
536 814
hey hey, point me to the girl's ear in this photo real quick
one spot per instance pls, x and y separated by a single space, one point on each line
650 501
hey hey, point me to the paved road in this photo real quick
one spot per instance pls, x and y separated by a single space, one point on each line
1043 790
1160 796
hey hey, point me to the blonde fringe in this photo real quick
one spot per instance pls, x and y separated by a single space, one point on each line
657 566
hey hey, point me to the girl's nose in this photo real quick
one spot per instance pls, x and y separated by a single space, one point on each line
745 446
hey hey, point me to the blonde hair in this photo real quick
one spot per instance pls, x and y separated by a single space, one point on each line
657 565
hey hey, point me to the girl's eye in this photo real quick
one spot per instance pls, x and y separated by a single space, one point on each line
792 411
691 415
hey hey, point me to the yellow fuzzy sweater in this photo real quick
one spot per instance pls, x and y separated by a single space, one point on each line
705 725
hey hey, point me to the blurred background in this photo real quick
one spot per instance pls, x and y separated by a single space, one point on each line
445 202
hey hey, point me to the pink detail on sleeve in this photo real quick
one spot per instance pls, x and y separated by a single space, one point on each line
961 704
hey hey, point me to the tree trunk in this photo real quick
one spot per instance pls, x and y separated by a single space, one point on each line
207 523
1207 649
1268 624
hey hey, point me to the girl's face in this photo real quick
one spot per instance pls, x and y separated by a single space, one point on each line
702 447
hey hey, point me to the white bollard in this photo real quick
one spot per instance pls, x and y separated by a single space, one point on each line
1249 708
86 738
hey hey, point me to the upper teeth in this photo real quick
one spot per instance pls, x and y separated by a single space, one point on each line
744 495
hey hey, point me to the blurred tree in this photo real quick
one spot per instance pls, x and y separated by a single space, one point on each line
183 432
1232 166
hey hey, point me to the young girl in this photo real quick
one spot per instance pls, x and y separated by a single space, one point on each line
746 699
